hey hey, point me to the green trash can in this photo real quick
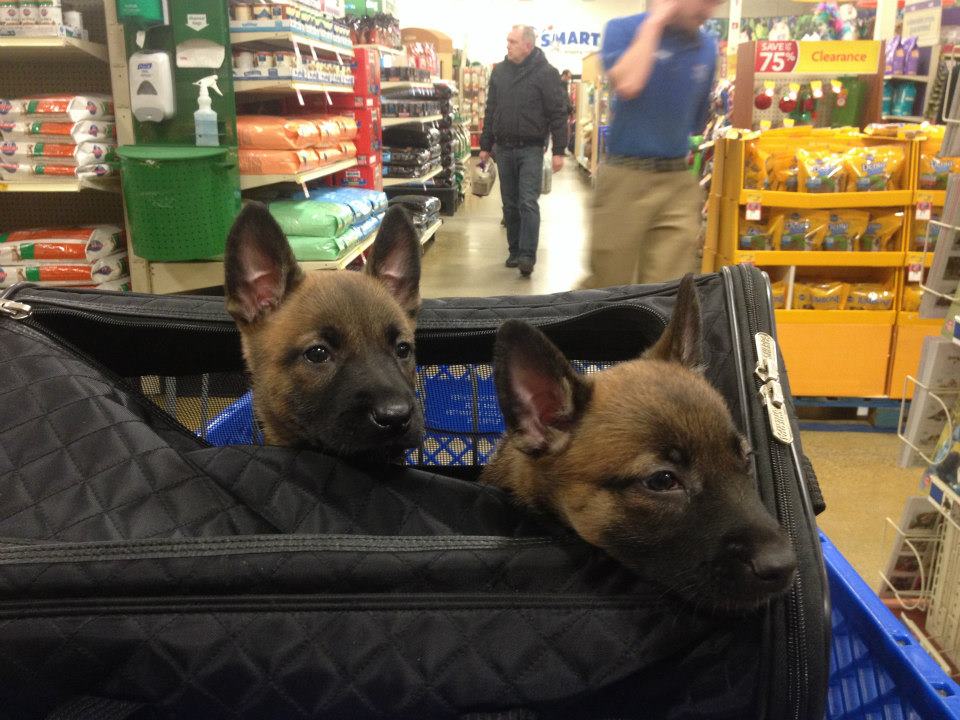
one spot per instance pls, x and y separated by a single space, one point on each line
181 200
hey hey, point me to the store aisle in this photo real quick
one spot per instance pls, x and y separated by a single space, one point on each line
467 256
857 471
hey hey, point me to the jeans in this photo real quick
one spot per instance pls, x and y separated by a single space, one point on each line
521 176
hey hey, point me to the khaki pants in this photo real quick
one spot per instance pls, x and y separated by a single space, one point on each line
646 226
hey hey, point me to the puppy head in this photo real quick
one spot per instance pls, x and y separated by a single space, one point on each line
331 354
642 460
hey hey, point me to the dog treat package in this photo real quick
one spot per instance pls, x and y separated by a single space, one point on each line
821 171
926 234
844 229
912 296
58 132
160 561
265 132
880 232
869 296
277 162
935 171
782 170
801 230
60 273
819 296
874 168
779 294
755 167
756 235
312 218
88 243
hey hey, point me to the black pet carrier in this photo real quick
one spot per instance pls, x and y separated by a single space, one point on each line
147 573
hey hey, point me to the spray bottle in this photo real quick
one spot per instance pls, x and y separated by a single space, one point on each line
205 119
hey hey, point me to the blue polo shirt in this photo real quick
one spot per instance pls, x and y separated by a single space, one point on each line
674 104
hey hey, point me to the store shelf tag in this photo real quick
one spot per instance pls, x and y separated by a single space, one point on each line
915 272
754 208
924 207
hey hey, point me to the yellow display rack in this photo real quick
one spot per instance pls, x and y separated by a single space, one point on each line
828 352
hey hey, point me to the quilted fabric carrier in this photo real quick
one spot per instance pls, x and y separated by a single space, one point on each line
146 573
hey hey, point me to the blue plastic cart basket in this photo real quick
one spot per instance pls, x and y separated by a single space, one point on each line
878 671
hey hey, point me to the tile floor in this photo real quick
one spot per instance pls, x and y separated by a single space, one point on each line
857 471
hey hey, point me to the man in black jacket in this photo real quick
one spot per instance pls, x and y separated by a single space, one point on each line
525 104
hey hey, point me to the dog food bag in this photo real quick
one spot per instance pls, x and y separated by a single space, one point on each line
10 107
779 293
879 233
801 230
87 153
314 249
266 132
311 218
348 148
935 171
868 296
844 229
873 169
276 162
59 132
27 172
66 274
68 108
349 129
912 295
86 243
820 171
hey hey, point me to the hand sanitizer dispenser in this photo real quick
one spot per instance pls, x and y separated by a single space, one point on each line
152 95
205 119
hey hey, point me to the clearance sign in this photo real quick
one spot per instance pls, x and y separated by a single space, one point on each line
838 57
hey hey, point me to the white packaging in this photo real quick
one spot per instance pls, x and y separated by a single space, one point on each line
73 18
73 244
9 12
87 153
29 12
49 12
62 132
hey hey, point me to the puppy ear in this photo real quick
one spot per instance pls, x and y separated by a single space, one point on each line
681 341
260 268
540 394
395 260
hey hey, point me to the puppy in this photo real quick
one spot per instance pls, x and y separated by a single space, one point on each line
642 460
331 355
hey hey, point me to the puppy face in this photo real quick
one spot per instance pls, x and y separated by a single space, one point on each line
642 460
331 354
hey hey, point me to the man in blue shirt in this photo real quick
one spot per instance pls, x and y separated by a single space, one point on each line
647 206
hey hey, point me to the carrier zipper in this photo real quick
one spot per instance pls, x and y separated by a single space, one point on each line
770 392
294 603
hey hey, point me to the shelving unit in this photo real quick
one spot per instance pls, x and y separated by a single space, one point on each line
50 49
391 122
393 182
282 87
248 182
429 233
404 85
383 49
282 38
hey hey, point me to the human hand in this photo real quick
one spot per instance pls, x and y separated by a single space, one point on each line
484 157
557 163
664 12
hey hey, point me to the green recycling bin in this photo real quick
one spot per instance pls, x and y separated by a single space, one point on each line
181 200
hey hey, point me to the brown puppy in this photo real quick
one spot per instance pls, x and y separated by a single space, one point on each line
331 355
642 460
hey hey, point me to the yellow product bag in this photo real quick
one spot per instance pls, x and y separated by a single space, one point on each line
828 295
779 292
935 171
874 169
869 296
880 231
755 167
844 229
802 297
755 236
801 230
912 295
821 171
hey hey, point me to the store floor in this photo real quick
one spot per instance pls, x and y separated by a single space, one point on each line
857 471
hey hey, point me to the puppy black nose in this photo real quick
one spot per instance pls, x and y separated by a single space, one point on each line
392 415
773 562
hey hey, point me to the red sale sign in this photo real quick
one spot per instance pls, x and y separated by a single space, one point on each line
776 56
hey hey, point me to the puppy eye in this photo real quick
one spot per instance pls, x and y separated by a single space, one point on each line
317 354
661 482
404 350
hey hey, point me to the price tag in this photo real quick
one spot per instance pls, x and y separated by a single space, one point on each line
754 208
924 207
915 272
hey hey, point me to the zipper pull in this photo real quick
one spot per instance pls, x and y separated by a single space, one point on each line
771 393
15 310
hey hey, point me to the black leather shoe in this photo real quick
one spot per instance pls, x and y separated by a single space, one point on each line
526 267
512 261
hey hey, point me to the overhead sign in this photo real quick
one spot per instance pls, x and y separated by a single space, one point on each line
838 57
571 40
922 18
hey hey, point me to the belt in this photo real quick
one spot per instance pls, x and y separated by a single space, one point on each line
520 142
659 165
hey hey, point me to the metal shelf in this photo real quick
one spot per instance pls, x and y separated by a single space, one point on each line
343 262
60 185
390 122
405 85
382 49
393 182
282 86
286 38
828 201
905 118
819 258
50 49
914 78
253 181
430 232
